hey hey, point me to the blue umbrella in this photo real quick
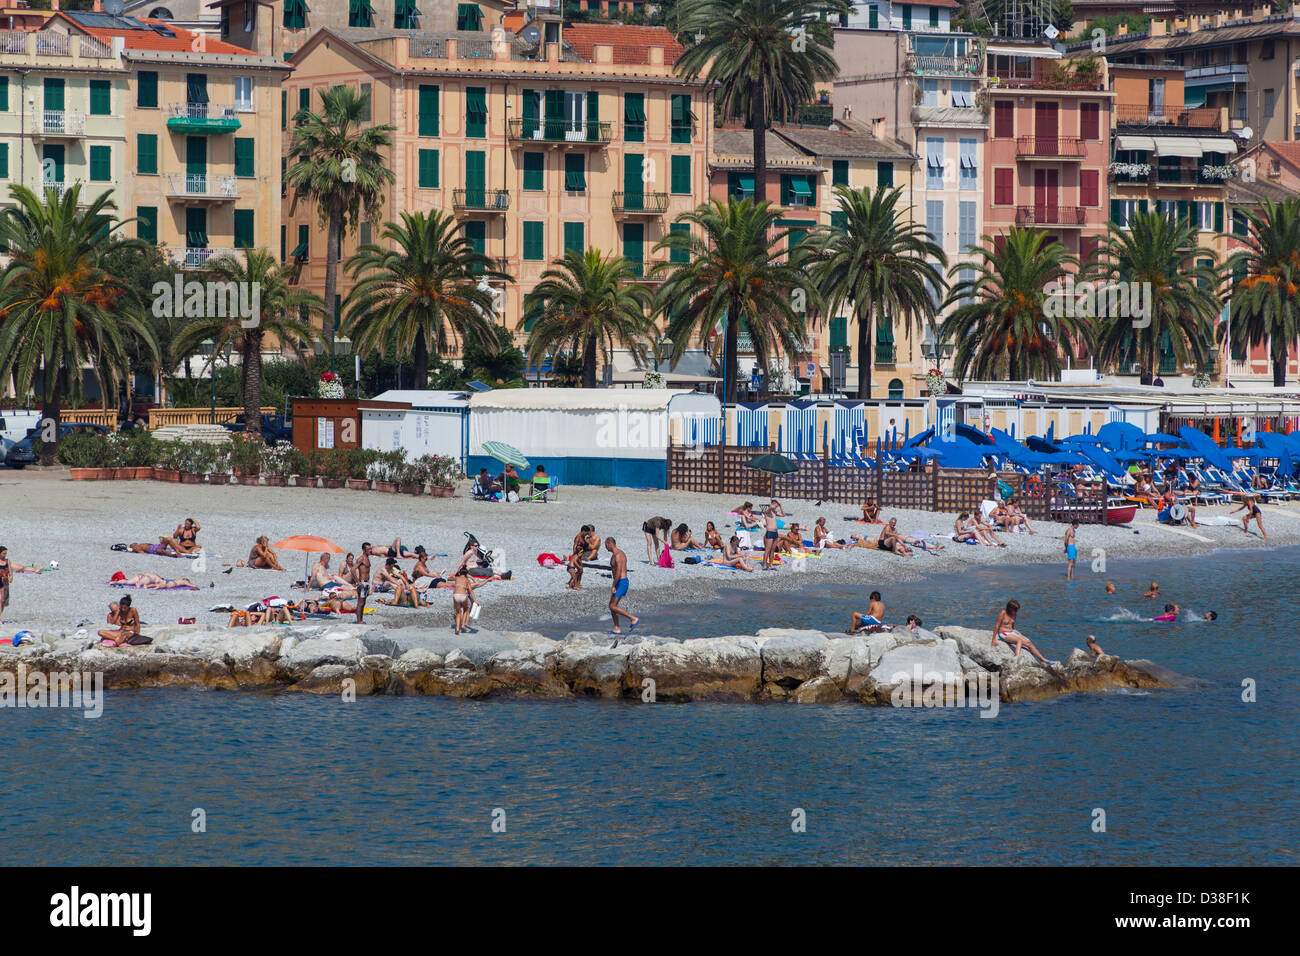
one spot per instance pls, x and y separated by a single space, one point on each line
1080 440
920 453
1121 435
1103 460
1043 445
1162 438
1204 447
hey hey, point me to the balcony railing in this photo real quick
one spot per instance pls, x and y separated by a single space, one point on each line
202 186
1046 215
61 189
1042 78
884 353
202 118
1206 117
60 123
1055 147
929 65
481 200
648 204
559 131
195 257
49 43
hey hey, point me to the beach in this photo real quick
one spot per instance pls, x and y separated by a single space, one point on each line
49 517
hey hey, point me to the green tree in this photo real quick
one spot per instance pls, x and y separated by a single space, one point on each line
426 286
1001 324
339 164
588 303
60 310
1266 297
1163 255
737 268
879 264
284 314
140 267
766 58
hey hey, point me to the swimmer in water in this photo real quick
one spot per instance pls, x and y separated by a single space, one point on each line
1110 587
1211 615
1093 647
1153 591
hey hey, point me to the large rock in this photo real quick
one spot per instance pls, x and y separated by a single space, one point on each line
819 690
249 653
527 672
306 656
903 672
792 657
714 668
849 660
592 670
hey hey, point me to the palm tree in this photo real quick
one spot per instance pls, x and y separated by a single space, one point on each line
589 303
736 268
1266 299
283 311
765 56
339 165
878 263
425 288
1163 255
1002 324
59 309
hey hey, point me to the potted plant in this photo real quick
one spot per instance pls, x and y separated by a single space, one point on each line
277 462
171 455
303 465
195 460
246 458
359 460
220 467
385 470
935 382
410 478
330 386
440 473
85 455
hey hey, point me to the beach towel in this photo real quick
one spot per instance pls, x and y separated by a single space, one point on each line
666 559
548 560
742 536
141 587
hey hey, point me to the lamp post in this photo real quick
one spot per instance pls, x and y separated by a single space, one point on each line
210 347
340 346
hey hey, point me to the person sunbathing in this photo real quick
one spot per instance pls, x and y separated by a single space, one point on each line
394 550
891 540
745 517
321 576
732 555
984 528
186 535
127 619
1004 628
261 556
822 537
154 582
711 536
1018 516
792 540
862 541
871 512
333 604
250 616
963 529
1093 647
167 547
681 539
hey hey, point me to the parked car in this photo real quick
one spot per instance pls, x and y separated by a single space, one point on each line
274 428
24 452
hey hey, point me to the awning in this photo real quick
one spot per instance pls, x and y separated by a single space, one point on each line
746 183
299 251
633 111
1143 143
1194 98
801 188
1034 52
1218 144
1183 146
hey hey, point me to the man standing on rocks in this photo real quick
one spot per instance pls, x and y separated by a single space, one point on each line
618 565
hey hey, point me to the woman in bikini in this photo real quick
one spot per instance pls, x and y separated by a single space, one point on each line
462 598
167 547
1250 505
586 547
871 512
127 620
263 557
681 539
963 529
156 582
186 537
1005 628
822 538
732 556
712 538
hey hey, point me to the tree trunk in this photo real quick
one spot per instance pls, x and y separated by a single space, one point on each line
864 357
333 238
589 362
420 359
253 383
759 119
1279 369
730 364
50 413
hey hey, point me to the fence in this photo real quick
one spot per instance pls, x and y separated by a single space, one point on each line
158 417
721 470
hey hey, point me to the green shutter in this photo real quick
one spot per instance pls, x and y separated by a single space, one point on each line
1240 225
534 171
839 331
476 177
574 239
907 16
196 88
634 117
840 172
873 18
4 160
476 112
53 101
4 94
885 172
196 227
303 248
1218 217
1183 211
475 231
284 109
530 117
243 229
534 240
101 98
101 164
934 16
681 175
1142 205
428 110
244 167
634 246
533 312
304 100
633 187
146 223
52 153
146 154
428 169
1117 211
575 172
839 220
681 118
553 123
679 255
469 17
593 116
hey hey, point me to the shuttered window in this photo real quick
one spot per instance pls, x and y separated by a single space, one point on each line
1003 187
244 167
146 89
884 172
146 223
634 117
681 118
146 154
1089 187
680 183
574 237
243 229
840 172
101 98
534 240
966 225
428 168
575 172
1090 121
428 110
534 171
101 164
1004 119
476 112
679 255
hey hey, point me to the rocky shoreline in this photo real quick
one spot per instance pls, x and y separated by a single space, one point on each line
951 665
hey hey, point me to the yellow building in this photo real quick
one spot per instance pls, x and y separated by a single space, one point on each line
179 127
563 136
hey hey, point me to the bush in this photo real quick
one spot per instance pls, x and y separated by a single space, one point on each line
246 454
85 450
278 460
197 458
359 461
437 470
131 449
388 466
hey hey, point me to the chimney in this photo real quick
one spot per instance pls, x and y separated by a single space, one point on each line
848 112
1159 28
878 127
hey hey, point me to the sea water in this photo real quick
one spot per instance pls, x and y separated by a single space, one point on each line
1198 776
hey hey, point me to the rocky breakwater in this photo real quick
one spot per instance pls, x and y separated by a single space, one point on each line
912 667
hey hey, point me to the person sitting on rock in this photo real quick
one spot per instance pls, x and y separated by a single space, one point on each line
875 616
127 619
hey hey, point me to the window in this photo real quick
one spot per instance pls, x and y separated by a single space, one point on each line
1240 226
1089 187
575 172
428 122
679 255
934 219
53 101
1156 96
969 169
680 181
304 101
962 96
1218 217
405 15
1004 119
873 17
681 118
475 231
244 167
934 16
146 154
367 91
799 190
360 14
4 94
295 15
1090 121
1122 210
534 172
1003 186
196 89
427 163
365 233
476 112
966 226
907 16
933 163
840 172
146 223
243 229
634 117
284 110
101 164
574 238
885 174
101 98
740 185
4 160
533 310
929 92
534 240
1270 96
146 89
1205 216
244 94
634 246
1266 50
469 17
302 250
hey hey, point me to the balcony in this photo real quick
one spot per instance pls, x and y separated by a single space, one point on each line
59 124
640 204
592 133
1222 73
923 64
1053 75
480 200
61 190
956 116
202 119
194 257
1205 117
1048 215
1050 147
198 186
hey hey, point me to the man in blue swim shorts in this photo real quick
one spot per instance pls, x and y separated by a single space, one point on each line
618 565
1071 550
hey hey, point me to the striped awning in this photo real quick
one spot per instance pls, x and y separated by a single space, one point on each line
1186 147
1218 144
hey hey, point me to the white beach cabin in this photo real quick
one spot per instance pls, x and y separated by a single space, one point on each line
423 422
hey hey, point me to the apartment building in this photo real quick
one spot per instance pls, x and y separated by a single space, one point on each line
167 120
585 140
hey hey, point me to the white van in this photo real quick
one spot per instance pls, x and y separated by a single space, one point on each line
15 424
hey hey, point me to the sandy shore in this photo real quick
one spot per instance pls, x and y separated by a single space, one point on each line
49 517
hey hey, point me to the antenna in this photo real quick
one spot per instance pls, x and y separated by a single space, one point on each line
114 7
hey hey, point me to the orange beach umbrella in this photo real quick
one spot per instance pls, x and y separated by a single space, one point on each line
311 544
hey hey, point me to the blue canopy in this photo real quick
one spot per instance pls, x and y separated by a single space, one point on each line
1104 461
921 453
1163 438
1121 435
1080 440
1042 444
1204 447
